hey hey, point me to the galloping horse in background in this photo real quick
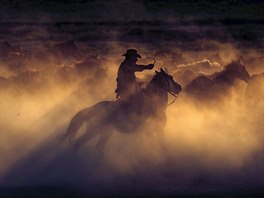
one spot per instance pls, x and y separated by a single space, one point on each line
145 108
255 90
216 85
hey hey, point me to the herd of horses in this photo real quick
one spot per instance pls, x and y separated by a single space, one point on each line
144 109
148 107
61 63
217 84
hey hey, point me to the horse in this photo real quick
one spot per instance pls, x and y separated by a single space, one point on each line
185 73
65 50
255 91
217 84
145 108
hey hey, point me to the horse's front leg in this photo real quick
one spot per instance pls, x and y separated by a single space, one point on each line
162 141
160 133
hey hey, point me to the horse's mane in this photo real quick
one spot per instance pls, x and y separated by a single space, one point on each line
146 91
226 69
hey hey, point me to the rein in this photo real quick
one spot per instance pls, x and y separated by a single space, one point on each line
174 95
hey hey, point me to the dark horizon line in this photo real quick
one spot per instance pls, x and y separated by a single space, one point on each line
210 21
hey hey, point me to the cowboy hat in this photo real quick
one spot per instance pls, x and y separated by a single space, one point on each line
130 52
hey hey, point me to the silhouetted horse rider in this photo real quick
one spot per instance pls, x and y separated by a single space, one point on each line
126 79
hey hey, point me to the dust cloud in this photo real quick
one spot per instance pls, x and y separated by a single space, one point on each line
209 145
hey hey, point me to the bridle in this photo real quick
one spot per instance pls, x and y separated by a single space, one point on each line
174 95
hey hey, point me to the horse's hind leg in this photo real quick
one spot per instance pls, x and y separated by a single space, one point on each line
103 139
90 133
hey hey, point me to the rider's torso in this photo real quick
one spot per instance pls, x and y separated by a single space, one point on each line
126 72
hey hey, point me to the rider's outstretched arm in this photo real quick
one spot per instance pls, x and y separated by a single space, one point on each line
143 67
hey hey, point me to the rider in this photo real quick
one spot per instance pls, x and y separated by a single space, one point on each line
126 79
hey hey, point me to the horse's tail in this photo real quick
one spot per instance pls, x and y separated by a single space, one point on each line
76 122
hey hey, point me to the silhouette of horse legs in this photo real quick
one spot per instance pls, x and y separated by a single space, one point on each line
103 139
160 134
156 130
161 141
91 132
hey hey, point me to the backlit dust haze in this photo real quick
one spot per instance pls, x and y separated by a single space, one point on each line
213 144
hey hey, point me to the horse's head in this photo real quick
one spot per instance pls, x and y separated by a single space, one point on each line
166 82
238 70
